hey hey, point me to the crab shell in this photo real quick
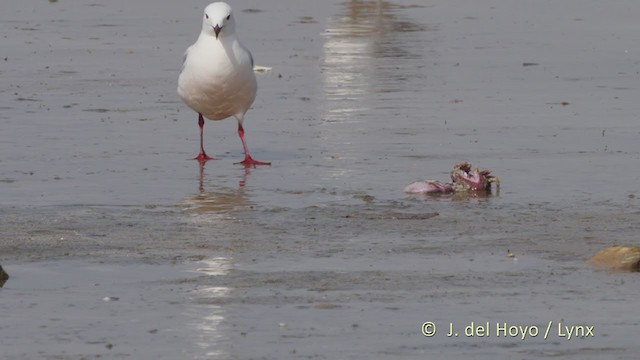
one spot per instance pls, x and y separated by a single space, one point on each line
466 179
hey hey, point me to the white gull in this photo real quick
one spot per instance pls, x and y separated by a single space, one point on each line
217 79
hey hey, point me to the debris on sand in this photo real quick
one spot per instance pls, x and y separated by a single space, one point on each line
3 276
464 179
617 258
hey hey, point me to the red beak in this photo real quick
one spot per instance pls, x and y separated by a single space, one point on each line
217 29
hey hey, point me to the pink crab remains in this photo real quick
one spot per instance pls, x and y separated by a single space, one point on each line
464 179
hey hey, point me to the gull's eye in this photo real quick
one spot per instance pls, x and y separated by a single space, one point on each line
206 15
229 17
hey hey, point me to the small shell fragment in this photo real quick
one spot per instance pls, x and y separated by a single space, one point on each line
261 69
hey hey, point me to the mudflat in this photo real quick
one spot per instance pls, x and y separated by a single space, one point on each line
119 246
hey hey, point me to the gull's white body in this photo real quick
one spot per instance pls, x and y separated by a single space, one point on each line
217 78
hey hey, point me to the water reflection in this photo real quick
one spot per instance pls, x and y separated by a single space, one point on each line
207 318
374 74
372 47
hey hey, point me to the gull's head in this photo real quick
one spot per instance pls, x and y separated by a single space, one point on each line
217 19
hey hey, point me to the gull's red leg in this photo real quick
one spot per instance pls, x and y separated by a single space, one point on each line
202 157
248 161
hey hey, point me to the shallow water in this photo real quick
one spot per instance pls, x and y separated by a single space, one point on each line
320 255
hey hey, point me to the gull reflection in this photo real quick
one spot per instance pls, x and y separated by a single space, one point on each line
223 200
206 317
218 204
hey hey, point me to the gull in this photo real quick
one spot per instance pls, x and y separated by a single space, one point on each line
217 79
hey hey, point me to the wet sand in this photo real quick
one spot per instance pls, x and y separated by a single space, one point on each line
118 246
